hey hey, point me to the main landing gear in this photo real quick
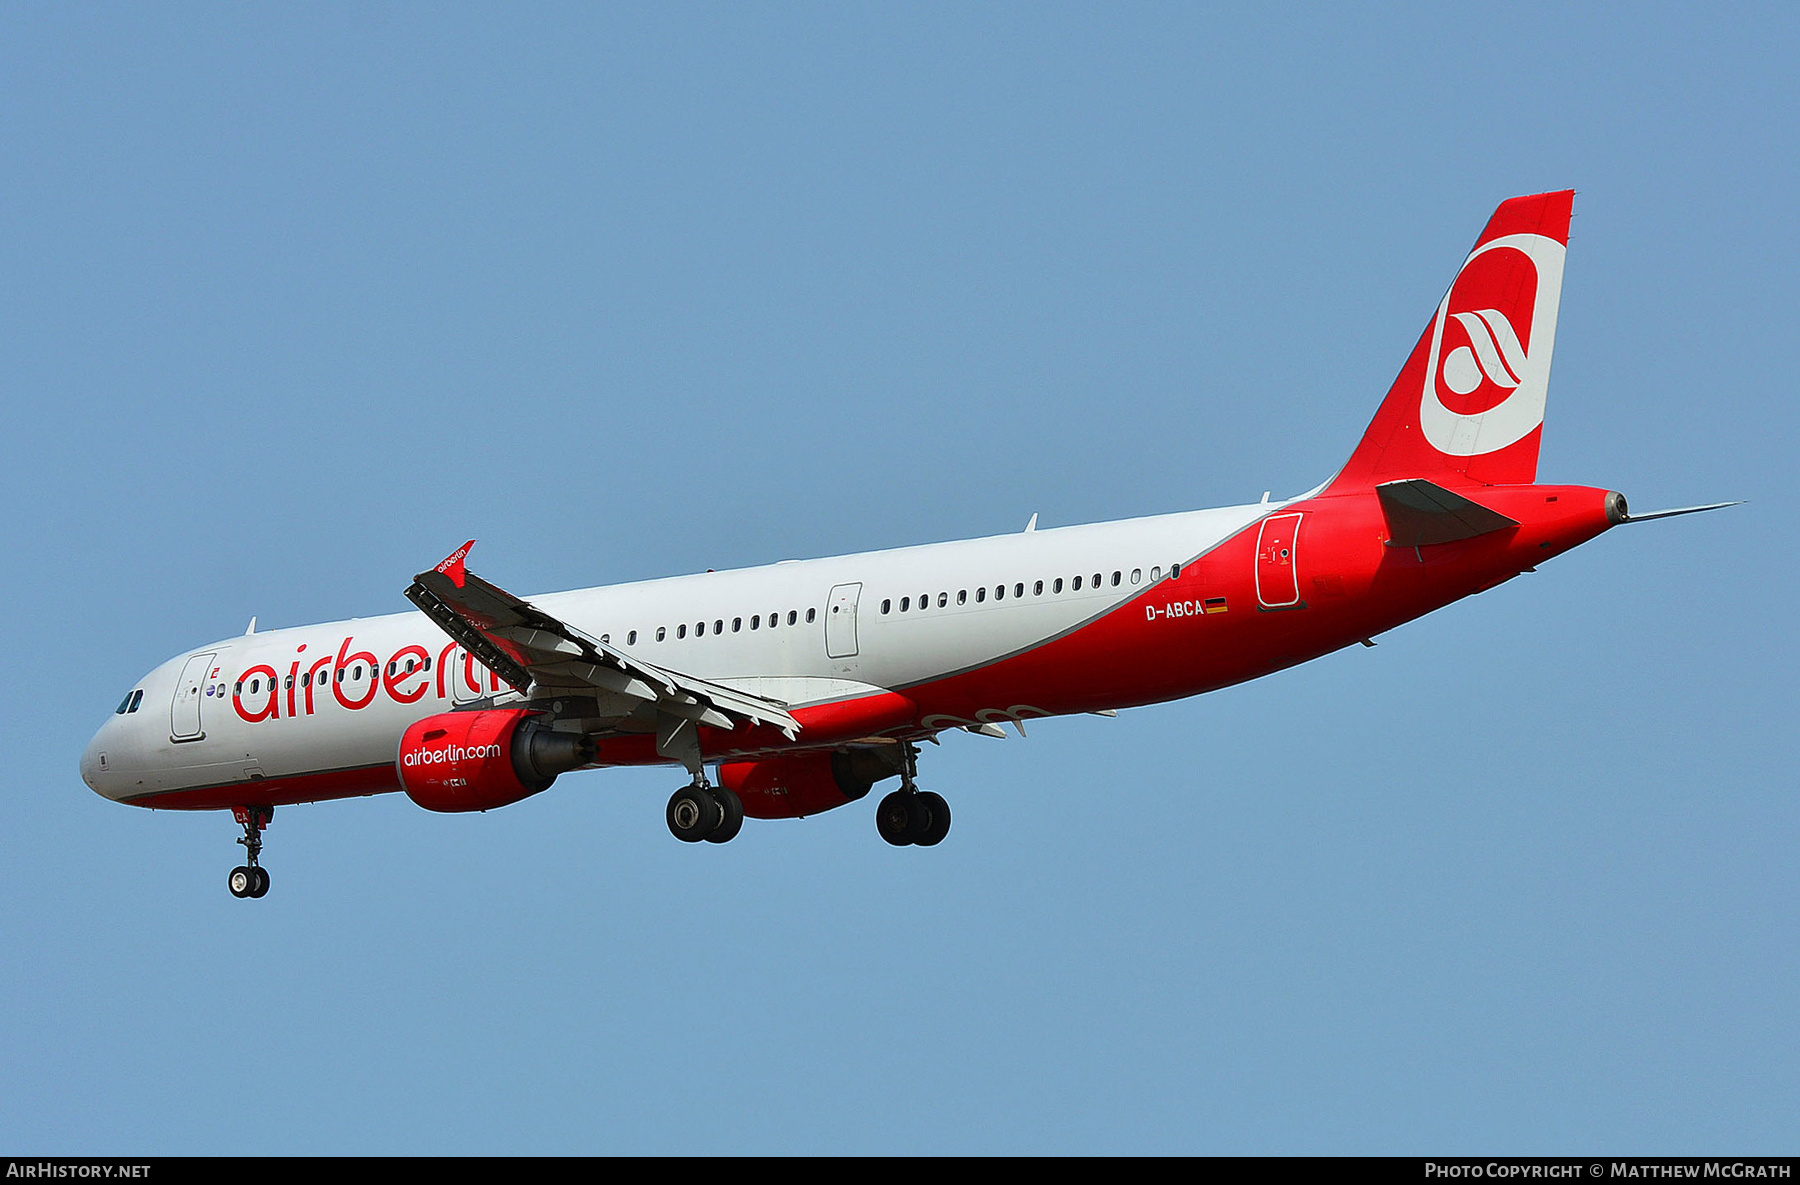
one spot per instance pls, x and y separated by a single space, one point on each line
910 815
700 811
252 879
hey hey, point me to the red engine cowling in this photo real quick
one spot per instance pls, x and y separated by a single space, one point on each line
475 761
807 783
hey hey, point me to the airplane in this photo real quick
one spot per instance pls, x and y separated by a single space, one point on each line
804 683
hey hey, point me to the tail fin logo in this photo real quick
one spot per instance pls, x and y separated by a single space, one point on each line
1493 353
1491 344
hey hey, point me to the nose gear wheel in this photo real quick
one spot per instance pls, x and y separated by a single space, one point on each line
252 879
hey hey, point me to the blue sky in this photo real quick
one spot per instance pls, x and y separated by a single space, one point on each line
298 301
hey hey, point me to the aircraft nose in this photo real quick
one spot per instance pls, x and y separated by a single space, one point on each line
94 762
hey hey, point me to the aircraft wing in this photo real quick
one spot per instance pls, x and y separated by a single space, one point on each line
546 658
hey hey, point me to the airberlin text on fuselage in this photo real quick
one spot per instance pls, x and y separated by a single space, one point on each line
406 677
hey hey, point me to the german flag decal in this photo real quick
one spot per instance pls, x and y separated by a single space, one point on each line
1214 605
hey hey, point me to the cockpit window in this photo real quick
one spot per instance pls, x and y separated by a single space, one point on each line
137 697
124 704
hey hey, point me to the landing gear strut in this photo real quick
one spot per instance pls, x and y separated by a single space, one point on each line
252 879
910 815
700 811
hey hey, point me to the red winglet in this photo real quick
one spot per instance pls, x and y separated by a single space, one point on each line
453 565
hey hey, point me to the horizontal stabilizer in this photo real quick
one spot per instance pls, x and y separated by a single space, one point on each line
1420 513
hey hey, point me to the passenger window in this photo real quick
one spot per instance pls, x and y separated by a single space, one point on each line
605 640
737 623
699 629
755 620
1098 581
1137 575
1057 587
719 626
661 632
999 592
681 630
631 638
943 600
1037 590
905 604
1117 576
1075 585
886 605
792 617
1174 571
1018 590
774 620
810 614
962 596
288 683
238 687
1155 574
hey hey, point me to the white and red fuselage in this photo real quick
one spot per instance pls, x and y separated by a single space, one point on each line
885 648
1040 623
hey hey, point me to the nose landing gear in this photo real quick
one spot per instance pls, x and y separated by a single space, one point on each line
252 879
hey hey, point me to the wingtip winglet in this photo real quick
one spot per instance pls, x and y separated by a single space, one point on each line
454 565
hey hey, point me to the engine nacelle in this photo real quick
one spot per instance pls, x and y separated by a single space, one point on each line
475 761
807 783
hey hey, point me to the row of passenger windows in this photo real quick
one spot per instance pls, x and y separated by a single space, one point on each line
756 622
354 671
717 626
1038 588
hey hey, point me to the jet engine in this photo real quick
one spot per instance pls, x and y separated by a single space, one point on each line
475 761
807 783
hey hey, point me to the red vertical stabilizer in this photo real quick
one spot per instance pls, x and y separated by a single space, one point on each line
1468 407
